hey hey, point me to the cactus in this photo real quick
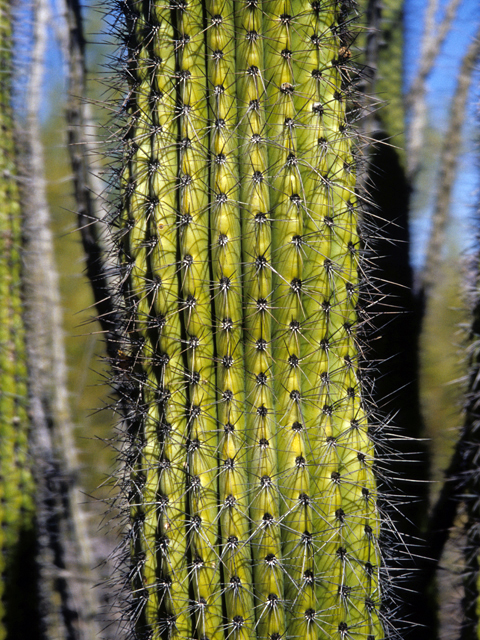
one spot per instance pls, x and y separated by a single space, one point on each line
250 481
16 483
464 473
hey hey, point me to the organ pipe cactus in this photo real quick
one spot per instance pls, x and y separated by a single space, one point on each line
252 496
466 460
16 484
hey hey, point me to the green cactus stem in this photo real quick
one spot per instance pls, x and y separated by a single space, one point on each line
252 495
466 485
16 483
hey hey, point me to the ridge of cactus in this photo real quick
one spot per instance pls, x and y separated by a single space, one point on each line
249 476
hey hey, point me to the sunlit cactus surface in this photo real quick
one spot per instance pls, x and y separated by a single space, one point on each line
249 461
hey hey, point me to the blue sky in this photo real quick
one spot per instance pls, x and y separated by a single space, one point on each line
440 86
443 77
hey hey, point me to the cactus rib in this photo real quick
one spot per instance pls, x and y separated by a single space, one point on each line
257 292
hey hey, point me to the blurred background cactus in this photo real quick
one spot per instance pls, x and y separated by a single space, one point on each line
254 262
17 533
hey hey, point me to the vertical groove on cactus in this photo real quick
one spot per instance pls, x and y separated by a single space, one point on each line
233 498
343 482
252 495
150 204
196 72
257 300
287 203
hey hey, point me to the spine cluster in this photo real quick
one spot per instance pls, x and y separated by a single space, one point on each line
250 467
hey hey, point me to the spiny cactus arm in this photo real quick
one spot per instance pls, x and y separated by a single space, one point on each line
287 202
12 414
16 479
12 348
13 395
344 485
464 485
8 355
240 371
227 284
153 333
257 287
194 248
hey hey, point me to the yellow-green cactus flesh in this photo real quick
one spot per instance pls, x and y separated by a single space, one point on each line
252 500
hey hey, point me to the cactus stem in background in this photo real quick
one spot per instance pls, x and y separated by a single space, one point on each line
16 480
